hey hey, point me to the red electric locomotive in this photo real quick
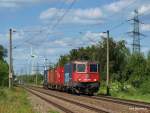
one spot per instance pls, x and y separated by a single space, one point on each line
76 77
82 77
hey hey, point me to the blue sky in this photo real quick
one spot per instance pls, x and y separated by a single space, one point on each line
53 27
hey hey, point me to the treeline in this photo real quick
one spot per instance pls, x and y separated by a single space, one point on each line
3 67
125 68
30 79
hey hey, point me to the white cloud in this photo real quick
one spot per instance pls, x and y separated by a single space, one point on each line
17 3
83 16
118 6
50 13
92 38
145 49
4 40
144 9
60 42
145 27
85 39
92 13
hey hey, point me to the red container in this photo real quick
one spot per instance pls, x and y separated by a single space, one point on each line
56 76
51 76
59 76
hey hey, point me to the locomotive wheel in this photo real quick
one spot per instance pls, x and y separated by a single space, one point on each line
73 91
77 91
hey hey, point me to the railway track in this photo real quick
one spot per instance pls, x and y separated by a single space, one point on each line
131 103
98 110
50 102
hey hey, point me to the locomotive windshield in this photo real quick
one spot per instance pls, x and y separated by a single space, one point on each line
93 67
81 67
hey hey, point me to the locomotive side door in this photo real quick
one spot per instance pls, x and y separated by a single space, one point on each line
68 74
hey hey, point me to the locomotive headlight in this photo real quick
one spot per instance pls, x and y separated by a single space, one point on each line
79 79
94 79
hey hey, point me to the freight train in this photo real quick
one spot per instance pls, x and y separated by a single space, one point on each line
75 77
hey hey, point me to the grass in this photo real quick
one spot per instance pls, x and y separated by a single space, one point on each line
14 101
138 97
129 92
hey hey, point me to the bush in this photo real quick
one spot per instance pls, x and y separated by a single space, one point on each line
2 94
145 87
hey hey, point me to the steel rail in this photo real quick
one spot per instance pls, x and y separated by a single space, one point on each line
99 110
51 102
131 103
123 101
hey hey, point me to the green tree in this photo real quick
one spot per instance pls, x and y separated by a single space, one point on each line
117 53
136 69
3 67
63 60
118 56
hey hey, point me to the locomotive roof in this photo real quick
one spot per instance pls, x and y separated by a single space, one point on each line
83 61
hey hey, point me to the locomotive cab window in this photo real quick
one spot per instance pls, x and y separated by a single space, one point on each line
81 67
74 67
93 67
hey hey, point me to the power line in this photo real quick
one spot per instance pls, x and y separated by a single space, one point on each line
53 18
38 31
118 25
123 9
58 11
54 26
65 13
112 28
58 21
61 18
